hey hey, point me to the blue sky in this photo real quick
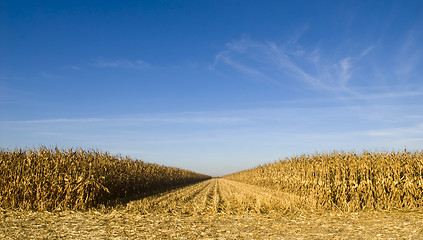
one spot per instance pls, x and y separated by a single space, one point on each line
212 86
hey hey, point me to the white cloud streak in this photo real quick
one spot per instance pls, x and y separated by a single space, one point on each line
414 131
287 64
56 120
345 75
360 73
367 50
120 63
116 63
169 120
224 56
410 55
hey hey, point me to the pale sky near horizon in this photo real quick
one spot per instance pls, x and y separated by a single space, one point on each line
212 86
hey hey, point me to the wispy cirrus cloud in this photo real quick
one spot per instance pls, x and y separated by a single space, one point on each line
183 118
50 76
338 68
368 50
410 54
120 63
55 120
406 133
255 73
112 63
363 72
345 71
289 64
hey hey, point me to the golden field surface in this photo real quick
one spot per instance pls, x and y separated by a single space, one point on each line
68 194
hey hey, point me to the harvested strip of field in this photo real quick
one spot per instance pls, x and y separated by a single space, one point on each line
219 196
127 225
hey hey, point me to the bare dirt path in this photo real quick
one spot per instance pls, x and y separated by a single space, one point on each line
213 209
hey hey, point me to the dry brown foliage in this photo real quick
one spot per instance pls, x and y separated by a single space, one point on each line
346 181
48 179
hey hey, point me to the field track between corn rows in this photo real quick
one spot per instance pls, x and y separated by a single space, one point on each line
213 209
217 195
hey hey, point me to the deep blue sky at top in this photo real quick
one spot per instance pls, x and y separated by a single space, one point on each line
214 86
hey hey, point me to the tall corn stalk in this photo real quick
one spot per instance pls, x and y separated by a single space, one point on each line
46 179
346 181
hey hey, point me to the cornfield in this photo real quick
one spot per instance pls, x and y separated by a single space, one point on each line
48 179
346 181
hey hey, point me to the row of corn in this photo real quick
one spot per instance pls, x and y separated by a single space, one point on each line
346 181
48 179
